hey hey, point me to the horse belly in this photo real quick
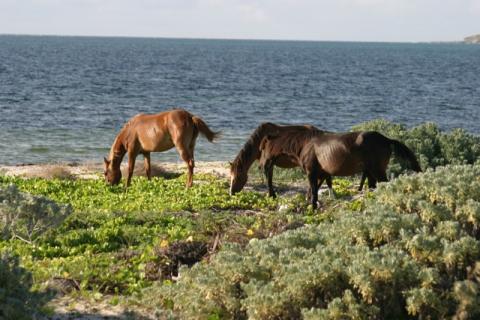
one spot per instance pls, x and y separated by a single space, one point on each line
154 140
350 167
339 162
285 161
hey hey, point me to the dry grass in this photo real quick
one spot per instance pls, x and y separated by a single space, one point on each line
156 170
57 173
47 172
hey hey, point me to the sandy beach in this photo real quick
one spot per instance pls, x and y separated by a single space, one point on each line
94 170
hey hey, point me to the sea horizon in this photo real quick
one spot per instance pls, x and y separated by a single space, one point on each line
458 41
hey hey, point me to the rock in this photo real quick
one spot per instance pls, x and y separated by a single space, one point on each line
475 39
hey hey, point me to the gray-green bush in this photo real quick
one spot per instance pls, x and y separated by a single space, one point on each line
413 252
26 216
16 299
432 147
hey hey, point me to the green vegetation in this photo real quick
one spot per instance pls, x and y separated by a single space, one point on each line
118 241
432 147
409 249
158 195
16 299
413 251
25 216
111 242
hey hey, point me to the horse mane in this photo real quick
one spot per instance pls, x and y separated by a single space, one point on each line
118 149
291 143
250 149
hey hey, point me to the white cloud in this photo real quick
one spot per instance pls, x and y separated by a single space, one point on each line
253 12
475 7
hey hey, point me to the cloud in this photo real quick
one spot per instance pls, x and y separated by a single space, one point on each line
385 6
475 7
253 12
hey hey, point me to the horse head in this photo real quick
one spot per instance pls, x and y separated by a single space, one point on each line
112 175
238 178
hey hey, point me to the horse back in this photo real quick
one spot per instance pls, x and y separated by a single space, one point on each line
338 154
158 132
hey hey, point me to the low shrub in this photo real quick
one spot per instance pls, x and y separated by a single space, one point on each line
17 301
25 216
432 147
412 252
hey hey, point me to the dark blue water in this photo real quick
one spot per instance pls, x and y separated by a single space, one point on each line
65 98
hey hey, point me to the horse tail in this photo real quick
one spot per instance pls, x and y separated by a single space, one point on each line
201 126
404 152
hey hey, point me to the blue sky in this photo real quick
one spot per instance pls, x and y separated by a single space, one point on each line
345 20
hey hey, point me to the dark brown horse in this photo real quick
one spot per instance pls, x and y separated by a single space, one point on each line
347 154
287 146
251 152
275 148
146 133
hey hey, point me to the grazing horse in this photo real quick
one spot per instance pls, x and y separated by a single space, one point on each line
251 152
351 153
273 151
146 133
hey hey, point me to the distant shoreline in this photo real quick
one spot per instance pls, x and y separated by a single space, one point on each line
232 39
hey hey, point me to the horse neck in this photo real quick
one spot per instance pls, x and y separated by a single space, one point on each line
246 158
118 151
250 151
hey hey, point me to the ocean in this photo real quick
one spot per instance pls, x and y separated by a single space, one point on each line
64 99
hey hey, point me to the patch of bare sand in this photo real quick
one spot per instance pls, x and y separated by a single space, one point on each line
92 170
69 308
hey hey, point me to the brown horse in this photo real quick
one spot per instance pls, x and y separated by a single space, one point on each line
251 152
288 146
273 149
146 133
351 153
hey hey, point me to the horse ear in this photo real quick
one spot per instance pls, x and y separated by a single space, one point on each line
106 161
230 163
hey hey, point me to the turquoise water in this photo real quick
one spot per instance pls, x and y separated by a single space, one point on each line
65 98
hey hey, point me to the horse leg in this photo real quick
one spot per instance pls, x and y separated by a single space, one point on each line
362 180
146 161
182 141
309 192
131 166
331 192
313 181
320 182
188 158
191 163
372 183
377 174
268 171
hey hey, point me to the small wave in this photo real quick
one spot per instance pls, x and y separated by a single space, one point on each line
39 149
